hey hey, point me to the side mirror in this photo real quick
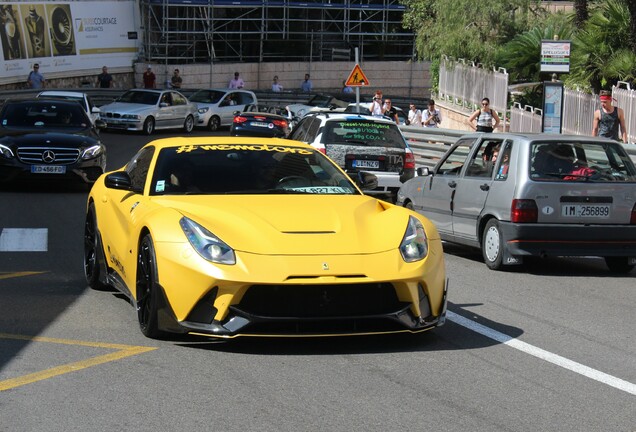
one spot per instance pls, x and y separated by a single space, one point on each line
366 181
95 110
118 180
100 124
423 171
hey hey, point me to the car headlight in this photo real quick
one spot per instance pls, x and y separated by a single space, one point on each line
93 151
203 110
131 117
207 244
6 151
414 246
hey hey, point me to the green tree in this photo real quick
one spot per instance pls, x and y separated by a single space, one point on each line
581 13
601 53
466 28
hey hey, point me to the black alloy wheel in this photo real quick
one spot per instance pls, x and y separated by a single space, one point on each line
147 296
92 247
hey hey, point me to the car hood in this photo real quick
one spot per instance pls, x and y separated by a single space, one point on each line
298 225
49 139
125 107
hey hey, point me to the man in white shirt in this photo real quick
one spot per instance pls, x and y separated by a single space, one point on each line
237 82
276 86
415 116
431 117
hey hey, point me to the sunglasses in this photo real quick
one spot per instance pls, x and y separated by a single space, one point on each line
484 103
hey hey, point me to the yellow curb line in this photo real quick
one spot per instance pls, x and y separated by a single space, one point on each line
19 274
123 352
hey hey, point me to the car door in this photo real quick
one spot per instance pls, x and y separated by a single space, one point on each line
165 112
473 187
435 200
227 107
180 106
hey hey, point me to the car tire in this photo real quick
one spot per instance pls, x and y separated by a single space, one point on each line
409 205
92 250
147 289
618 264
214 123
188 125
149 126
492 245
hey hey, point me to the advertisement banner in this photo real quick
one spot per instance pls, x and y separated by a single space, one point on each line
555 56
64 37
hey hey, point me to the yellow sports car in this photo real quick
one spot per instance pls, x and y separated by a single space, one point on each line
241 236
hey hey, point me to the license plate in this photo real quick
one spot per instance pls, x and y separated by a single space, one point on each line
260 124
585 210
366 164
48 169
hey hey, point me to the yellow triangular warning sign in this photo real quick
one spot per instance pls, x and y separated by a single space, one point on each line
357 78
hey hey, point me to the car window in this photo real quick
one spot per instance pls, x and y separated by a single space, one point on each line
46 115
503 161
244 98
456 158
207 96
363 133
140 97
178 99
139 166
300 131
247 169
580 161
312 130
484 158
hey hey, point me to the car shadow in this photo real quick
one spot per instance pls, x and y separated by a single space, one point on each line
547 266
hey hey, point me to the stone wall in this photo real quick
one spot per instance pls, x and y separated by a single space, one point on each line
410 79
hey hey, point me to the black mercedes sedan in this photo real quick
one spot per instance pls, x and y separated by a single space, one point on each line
49 139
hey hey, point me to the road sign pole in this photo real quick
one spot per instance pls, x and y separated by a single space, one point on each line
357 88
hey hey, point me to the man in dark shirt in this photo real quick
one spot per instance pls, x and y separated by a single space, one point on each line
104 79
608 119
176 80
390 111
149 78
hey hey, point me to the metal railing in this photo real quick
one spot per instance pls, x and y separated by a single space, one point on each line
526 119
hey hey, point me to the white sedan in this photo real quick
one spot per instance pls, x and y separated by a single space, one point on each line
84 100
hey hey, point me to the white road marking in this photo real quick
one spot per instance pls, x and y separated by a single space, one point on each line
24 240
573 366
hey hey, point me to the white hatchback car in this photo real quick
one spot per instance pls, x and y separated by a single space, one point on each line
82 98
217 106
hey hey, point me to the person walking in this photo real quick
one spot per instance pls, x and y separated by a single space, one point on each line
236 82
149 78
176 81
36 80
415 116
306 86
484 117
431 117
104 79
608 119
276 86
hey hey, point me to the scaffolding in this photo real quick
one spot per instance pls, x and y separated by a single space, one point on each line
207 31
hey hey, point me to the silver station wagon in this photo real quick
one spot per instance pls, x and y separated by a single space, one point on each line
514 195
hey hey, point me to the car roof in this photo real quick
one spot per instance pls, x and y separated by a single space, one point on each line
349 116
43 100
61 93
265 143
529 136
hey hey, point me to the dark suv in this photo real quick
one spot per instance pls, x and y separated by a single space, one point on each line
361 143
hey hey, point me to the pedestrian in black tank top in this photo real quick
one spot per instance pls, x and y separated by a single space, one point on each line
608 119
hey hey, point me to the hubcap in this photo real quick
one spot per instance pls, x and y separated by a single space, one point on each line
492 244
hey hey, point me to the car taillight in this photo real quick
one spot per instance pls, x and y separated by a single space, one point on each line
280 123
240 119
409 160
524 210
632 220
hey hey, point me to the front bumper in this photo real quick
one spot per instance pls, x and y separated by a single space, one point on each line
286 301
86 170
121 124
569 240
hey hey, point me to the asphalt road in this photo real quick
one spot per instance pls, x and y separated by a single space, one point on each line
549 346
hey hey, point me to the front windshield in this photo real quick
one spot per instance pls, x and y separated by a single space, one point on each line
207 96
140 97
46 115
580 161
247 169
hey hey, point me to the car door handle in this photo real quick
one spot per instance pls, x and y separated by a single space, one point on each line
452 184
484 187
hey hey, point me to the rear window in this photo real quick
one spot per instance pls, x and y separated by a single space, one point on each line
362 132
580 161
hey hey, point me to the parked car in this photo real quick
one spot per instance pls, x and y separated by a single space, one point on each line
49 139
361 143
541 195
259 236
261 121
82 98
318 103
216 107
148 110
